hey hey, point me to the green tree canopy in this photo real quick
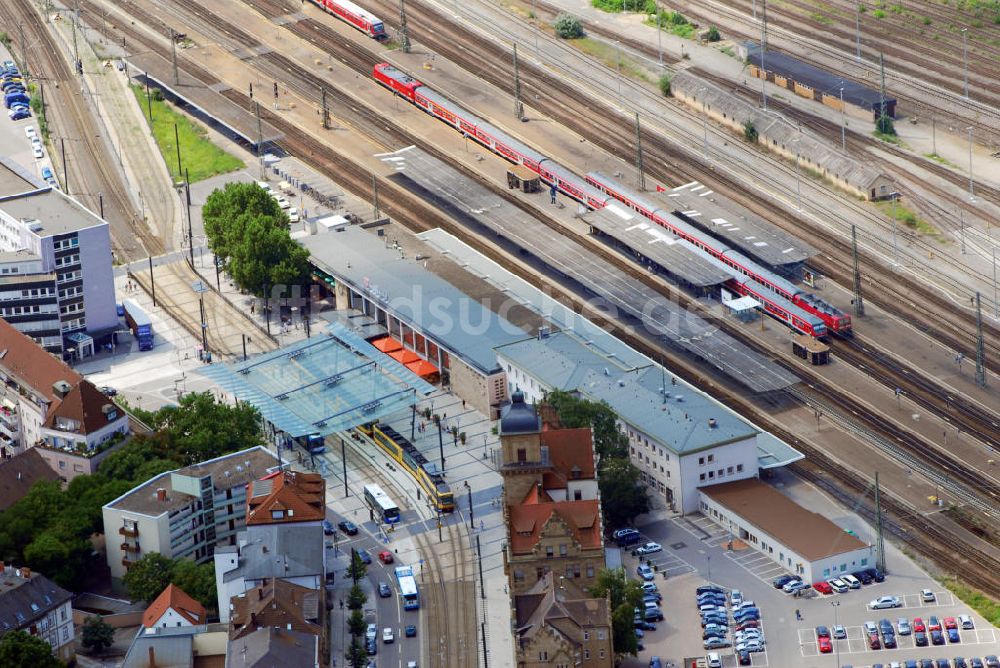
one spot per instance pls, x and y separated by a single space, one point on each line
203 428
148 577
625 595
19 649
356 598
622 497
568 26
98 635
357 623
248 232
576 412
357 569
198 580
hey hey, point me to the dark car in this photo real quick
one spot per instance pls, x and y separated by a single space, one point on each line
960 662
953 635
383 590
371 646
411 631
976 662
782 580
926 663
942 663
822 632
348 527
864 576
743 658
366 558
992 661
889 641
937 638
109 391
328 527
707 588
920 639
885 626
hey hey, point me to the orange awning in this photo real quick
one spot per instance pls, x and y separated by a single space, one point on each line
422 368
404 356
387 344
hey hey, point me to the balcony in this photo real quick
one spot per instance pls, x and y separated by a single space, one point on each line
129 547
129 532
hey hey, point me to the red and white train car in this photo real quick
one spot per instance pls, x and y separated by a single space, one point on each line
349 12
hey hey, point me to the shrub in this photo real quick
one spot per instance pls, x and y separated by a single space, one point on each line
885 126
879 13
750 132
713 34
568 26
927 20
665 85
608 5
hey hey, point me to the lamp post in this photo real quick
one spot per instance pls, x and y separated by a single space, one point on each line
843 130
836 622
972 189
472 517
965 60
437 421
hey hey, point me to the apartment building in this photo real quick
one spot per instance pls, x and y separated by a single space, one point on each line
184 513
45 402
32 603
56 274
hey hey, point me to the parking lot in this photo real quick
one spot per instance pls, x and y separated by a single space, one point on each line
857 643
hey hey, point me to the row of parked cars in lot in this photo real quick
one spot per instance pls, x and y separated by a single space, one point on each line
791 584
723 614
990 661
15 94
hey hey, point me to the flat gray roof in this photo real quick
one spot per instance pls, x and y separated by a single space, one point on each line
434 306
680 421
280 550
756 237
646 238
14 180
55 212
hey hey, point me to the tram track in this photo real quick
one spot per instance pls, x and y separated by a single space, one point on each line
316 149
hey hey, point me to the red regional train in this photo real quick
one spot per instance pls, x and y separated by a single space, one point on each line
792 306
349 12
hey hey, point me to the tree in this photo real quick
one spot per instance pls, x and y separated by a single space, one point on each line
202 428
665 85
148 577
20 649
197 580
356 655
568 26
98 635
713 34
357 569
750 131
623 630
356 623
61 557
575 412
248 232
622 497
356 598
885 126
625 595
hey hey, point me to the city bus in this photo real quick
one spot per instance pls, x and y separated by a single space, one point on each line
139 323
380 503
407 588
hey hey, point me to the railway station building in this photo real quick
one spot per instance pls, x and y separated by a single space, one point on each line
428 317
779 135
805 543
679 438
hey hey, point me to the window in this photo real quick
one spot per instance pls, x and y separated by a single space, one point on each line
562 550
602 634
739 468
277 514
586 654
711 475
729 470
701 461
522 455
586 635
602 653
577 495
549 552
701 477
711 458
590 570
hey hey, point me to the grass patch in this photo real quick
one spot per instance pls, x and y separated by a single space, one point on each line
728 50
890 139
908 218
199 156
975 599
821 18
608 54
879 13
938 159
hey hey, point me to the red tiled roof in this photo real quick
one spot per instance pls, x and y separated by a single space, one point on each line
528 521
300 497
571 449
536 495
24 358
176 598
275 603
84 404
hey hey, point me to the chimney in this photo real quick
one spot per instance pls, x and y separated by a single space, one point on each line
61 388
152 657
712 424
161 494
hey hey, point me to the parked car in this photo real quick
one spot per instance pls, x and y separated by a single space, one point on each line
933 624
385 556
825 645
348 527
328 528
712 659
920 638
960 662
889 640
885 602
870 628
864 577
626 537
927 596
714 631
715 643
822 587
838 585
366 558
706 588
795 587
950 623
874 642
750 646
645 572
782 580
736 597
953 635
851 581
965 621
47 173
839 632
649 586
649 548
822 632
383 590
903 625
293 215
708 597
937 638
742 658
992 661
876 574
918 624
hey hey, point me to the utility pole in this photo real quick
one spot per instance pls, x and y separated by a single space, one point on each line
881 92
961 224
177 142
934 134
518 107
24 54
173 56
403 31
857 31
965 60
326 111
880 543
62 147
972 189
149 98
859 303
618 59
659 34
638 153
843 122
375 195
996 304
260 140
980 351
763 49
187 197
76 50
895 247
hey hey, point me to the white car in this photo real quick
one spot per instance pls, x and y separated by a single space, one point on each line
838 585
263 185
884 602
903 624
29 131
282 202
736 598
293 215
649 587
714 660
965 622
387 636
648 548
37 152
927 596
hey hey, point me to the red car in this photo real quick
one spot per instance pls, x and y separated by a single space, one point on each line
825 646
918 625
950 623
385 556
874 642
823 587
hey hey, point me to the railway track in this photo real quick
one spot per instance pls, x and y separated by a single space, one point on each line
94 175
307 145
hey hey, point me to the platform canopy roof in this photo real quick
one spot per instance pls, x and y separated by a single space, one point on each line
329 383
